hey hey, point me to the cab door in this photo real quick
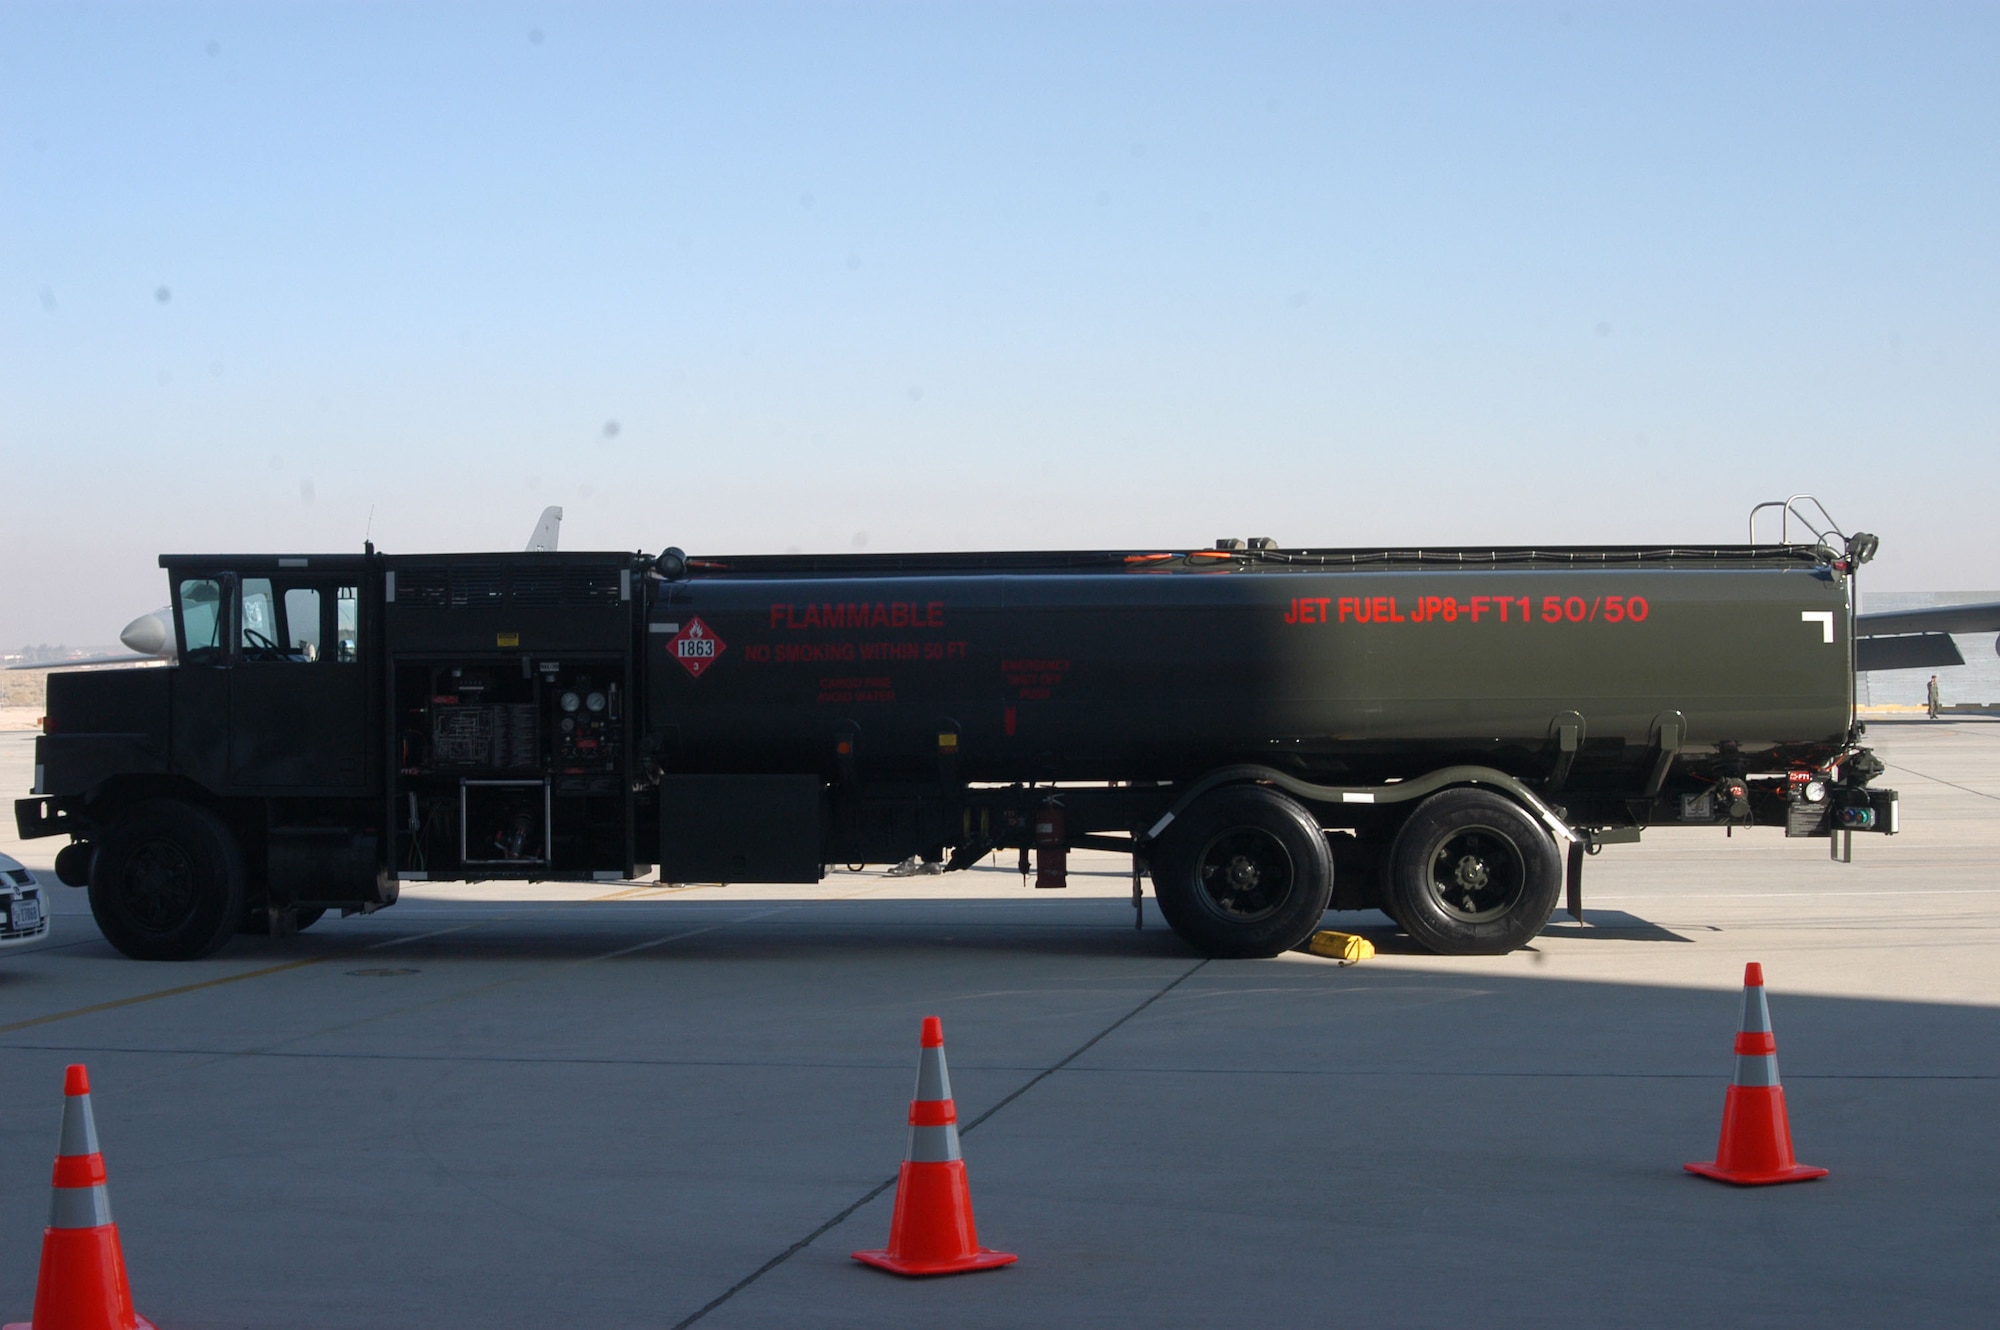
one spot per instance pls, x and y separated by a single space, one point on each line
298 689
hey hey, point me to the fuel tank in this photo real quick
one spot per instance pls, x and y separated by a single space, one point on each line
1346 666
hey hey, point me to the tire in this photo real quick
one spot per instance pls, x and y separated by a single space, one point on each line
1472 873
167 882
1244 872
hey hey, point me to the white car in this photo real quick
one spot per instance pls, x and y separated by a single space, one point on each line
23 916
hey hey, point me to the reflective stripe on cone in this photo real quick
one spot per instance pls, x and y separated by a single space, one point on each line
81 1284
931 1231
1756 1144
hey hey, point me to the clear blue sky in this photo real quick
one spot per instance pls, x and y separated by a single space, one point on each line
743 277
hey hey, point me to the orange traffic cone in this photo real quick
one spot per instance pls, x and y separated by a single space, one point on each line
931 1232
1756 1145
82 1283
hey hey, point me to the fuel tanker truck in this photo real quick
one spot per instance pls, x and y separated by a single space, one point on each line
1268 732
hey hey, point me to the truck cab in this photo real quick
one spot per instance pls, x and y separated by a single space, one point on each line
333 724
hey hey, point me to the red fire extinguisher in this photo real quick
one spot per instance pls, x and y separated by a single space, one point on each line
1051 847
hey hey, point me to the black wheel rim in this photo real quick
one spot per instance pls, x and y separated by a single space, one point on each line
1477 874
159 886
1246 875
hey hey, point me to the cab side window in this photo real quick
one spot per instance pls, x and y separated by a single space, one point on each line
302 626
260 630
346 625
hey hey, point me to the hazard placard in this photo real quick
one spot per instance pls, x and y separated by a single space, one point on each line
696 647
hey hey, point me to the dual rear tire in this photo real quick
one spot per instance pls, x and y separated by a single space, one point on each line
1243 872
1472 873
1247 872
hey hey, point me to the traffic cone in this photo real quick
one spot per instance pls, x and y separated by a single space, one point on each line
931 1232
1756 1145
82 1283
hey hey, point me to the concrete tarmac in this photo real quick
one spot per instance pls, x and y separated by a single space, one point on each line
621 1105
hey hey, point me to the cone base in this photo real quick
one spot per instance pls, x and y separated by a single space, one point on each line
982 1259
1796 1173
138 1323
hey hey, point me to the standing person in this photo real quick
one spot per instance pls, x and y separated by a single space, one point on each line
1931 699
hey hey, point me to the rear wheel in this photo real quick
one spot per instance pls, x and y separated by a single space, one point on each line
1244 872
1472 873
166 883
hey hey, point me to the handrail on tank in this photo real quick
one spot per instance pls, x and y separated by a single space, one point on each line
1785 522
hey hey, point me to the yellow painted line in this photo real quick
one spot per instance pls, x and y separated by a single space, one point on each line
315 960
227 979
650 890
163 993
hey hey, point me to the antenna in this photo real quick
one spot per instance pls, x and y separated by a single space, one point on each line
368 532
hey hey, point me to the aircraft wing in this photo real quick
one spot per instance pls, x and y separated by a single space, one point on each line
1919 639
81 660
1937 619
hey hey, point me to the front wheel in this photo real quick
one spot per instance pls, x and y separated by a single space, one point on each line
1244 872
166 883
1471 873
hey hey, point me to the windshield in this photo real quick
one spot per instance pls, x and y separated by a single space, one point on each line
201 619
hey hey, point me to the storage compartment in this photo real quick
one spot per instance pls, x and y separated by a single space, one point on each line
740 828
503 823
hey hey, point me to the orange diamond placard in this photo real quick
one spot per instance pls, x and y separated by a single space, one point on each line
696 647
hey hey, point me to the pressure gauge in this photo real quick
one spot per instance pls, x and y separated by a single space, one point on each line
595 702
570 701
568 724
1815 791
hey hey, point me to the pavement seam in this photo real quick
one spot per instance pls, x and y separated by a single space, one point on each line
1895 766
890 1181
745 1065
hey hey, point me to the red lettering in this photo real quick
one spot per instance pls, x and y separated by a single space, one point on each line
1574 609
812 617
899 615
1552 609
1479 607
777 613
1292 614
936 608
1636 609
1364 610
1614 608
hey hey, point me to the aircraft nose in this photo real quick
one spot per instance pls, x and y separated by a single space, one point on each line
150 635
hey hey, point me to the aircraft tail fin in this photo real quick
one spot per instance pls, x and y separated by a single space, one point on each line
544 539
